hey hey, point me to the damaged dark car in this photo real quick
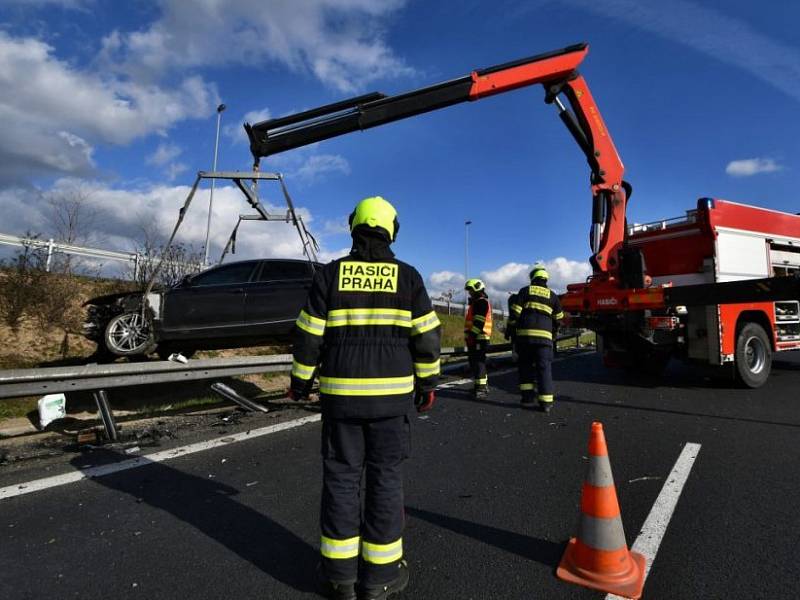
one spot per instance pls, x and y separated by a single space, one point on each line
238 304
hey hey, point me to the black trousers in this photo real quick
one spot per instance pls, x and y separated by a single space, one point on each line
535 363
477 363
364 546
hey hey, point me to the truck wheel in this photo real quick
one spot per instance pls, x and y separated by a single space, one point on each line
753 358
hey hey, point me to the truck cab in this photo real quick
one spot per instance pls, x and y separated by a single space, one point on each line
718 241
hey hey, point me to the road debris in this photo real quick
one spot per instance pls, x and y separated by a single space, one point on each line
51 408
251 483
645 478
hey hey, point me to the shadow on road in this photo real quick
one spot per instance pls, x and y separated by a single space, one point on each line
209 507
531 548
466 395
668 411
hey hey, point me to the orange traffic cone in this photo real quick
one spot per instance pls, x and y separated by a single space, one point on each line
598 557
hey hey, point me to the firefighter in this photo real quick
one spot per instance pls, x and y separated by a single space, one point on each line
509 333
369 327
534 318
477 333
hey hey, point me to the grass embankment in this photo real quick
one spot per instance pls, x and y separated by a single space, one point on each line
453 331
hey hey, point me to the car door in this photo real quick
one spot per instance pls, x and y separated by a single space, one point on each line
276 295
208 305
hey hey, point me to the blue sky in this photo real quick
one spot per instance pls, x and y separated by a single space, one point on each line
118 99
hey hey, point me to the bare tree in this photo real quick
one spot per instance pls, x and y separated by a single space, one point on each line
21 283
180 259
447 297
73 220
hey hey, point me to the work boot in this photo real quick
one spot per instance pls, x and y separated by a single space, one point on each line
395 586
527 399
481 392
335 590
545 407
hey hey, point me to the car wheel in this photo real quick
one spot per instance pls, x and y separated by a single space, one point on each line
753 358
129 334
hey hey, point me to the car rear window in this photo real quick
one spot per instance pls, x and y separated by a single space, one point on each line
271 271
226 274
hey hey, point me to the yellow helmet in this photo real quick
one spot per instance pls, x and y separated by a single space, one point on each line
474 285
539 272
376 212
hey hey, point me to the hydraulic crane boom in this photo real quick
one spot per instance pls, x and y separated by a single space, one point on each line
556 71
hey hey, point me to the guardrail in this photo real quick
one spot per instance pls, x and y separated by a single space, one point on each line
136 259
96 378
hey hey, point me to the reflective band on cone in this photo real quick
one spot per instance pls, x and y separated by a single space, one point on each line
598 557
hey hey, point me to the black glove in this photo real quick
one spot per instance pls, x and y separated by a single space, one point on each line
424 401
296 395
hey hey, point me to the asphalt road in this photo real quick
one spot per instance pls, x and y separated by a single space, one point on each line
492 495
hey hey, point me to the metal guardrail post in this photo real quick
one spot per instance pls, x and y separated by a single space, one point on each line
106 415
49 255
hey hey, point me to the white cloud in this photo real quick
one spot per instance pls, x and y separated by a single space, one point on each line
54 113
443 281
747 167
174 169
121 213
73 4
318 165
338 226
236 133
512 276
727 39
341 42
164 154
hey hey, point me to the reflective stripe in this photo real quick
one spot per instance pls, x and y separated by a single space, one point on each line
482 380
330 548
545 397
479 318
540 333
309 324
372 386
302 371
538 290
424 323
369 316
476 330
527 386
539 306
382 554
427 369
600 533
516 309
559 315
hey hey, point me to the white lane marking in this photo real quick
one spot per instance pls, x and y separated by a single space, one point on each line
48 482
649 539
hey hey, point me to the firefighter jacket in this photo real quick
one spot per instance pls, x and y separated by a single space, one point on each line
478 322
535 314
370 328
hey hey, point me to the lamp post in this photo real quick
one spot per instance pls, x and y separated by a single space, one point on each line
220 108
466 260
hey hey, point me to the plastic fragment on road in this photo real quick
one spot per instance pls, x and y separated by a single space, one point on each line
51 408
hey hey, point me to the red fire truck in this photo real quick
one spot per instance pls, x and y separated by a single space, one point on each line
719 241
700 287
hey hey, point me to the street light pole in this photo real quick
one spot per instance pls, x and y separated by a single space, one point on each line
220 108
466 258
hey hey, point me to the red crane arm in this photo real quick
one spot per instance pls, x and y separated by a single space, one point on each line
556 71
